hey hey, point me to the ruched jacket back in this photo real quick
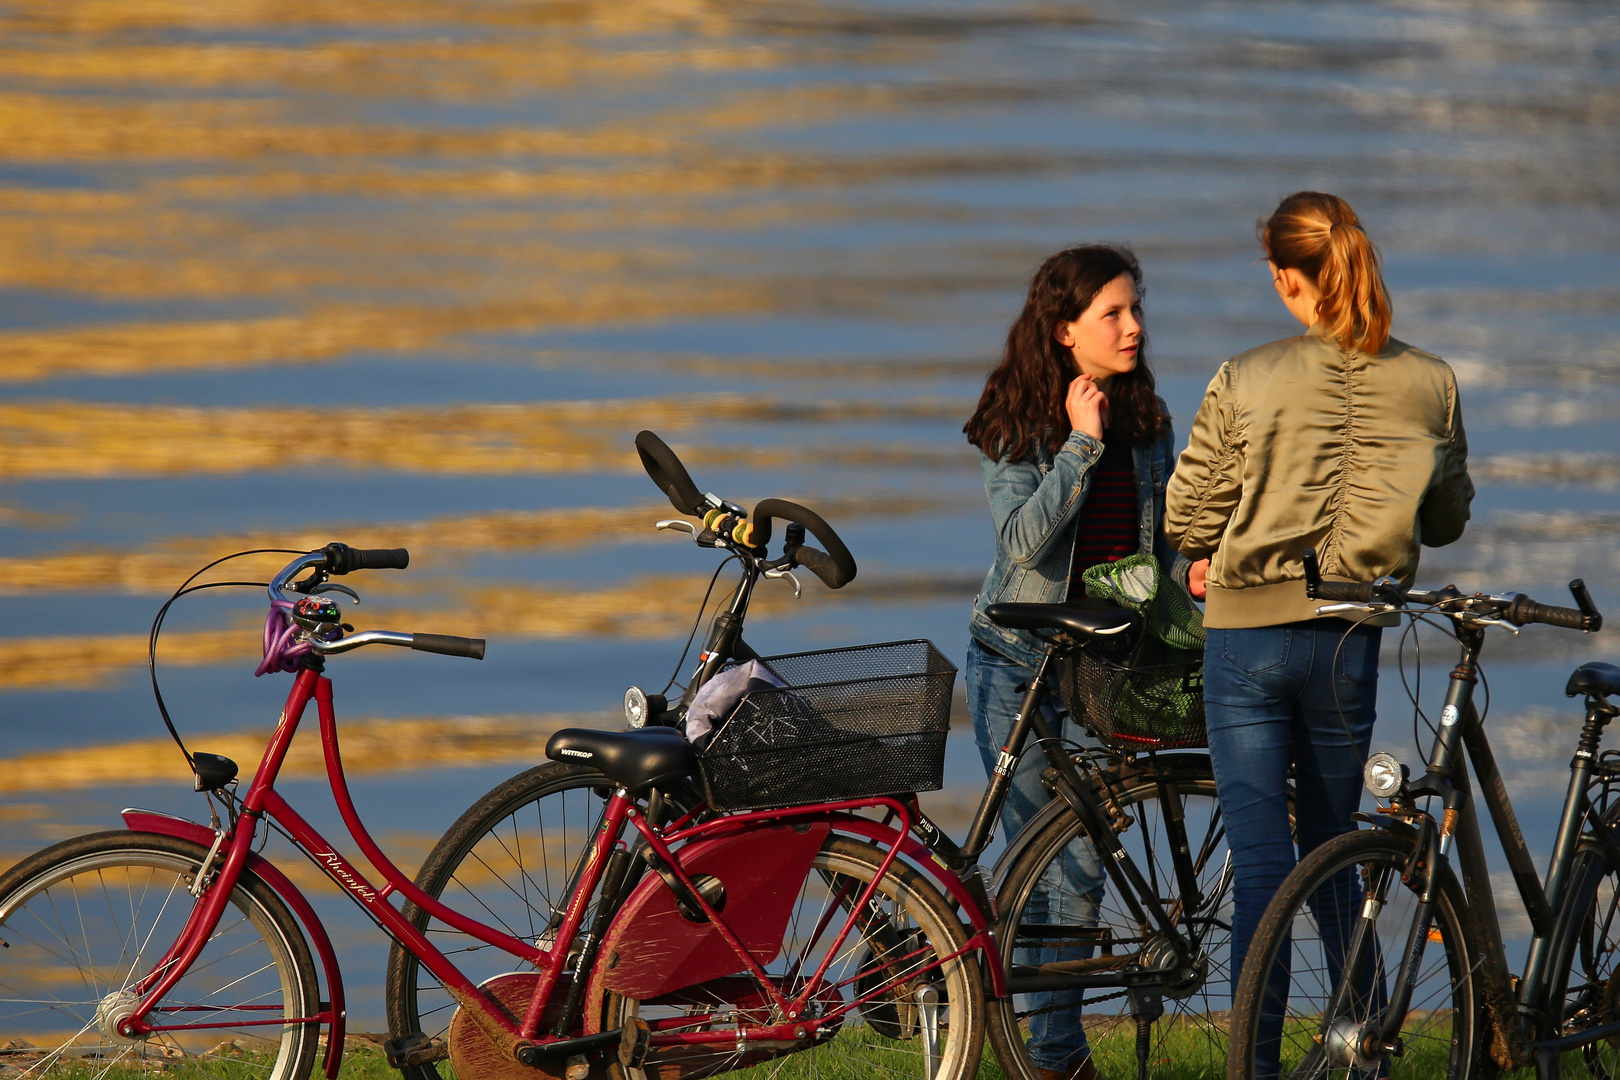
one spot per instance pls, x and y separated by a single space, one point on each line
1302 444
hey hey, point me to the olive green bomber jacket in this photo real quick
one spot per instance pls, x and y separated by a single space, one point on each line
1300 444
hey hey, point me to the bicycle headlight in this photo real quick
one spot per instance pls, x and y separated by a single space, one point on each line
635 707
1384 775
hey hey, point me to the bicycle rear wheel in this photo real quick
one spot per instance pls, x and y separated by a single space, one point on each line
1317 911
1049 915
891 958
88 918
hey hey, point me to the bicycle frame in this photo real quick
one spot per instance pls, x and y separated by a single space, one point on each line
232 853
1132 886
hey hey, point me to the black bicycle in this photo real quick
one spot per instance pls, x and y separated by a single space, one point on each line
1382 953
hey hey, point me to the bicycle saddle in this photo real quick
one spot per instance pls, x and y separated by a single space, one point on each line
1594 678
1084 622
632 759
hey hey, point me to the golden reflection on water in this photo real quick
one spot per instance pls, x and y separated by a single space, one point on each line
644 607
163 566
66 438
369 747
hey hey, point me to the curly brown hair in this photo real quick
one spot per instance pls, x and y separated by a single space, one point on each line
1023 401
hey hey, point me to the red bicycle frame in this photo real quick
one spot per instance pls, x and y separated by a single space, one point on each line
234 850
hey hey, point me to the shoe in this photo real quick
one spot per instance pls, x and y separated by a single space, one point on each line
1083 1071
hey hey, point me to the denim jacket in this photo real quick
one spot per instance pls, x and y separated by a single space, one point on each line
1035 505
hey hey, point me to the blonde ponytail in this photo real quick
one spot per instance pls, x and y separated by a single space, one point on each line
1319 235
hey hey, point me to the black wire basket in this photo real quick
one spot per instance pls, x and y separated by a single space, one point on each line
1137 694
850 724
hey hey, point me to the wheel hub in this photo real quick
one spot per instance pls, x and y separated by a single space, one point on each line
1344 1045
113 1010
1180 981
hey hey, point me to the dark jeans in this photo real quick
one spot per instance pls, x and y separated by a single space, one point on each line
1302 693
1072 888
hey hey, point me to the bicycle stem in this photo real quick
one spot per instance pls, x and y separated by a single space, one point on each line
724 633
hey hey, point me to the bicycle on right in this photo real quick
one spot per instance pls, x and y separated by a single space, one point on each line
1382 954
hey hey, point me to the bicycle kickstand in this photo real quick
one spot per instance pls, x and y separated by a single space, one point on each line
1147 1005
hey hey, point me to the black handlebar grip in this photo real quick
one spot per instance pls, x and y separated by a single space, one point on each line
1525 610
819 564
342 559
835 566
669 474
446 645
382 558
1353 592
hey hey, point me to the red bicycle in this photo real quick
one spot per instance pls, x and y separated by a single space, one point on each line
598 915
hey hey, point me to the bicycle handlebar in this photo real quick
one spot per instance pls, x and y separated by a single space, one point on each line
1516 608
835 566
337 558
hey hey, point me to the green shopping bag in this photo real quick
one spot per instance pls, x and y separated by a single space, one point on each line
1137 582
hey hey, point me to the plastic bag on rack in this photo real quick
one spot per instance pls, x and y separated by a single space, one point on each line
720 696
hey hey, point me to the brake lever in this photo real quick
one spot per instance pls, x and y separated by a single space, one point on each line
332 586
798 590
1376 608
1490 620
678 525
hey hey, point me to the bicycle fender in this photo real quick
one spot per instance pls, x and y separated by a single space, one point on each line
929 863
915 851
1398 826
150 821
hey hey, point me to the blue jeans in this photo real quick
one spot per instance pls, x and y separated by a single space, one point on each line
1303 694
1072 891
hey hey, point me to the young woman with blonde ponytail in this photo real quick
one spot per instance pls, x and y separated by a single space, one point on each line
1344 440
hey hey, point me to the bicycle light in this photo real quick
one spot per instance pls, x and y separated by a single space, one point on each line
640 706
1384 775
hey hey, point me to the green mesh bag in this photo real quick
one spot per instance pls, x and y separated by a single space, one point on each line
1137 582
1142 691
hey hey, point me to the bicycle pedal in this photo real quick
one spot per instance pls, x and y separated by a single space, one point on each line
413 1049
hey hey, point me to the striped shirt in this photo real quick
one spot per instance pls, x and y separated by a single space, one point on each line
1107 526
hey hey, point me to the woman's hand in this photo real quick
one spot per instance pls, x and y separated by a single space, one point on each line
1088 407
1197 574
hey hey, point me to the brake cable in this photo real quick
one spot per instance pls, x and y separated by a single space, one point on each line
157 629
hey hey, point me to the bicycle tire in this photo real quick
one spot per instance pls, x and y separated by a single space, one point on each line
1586 980
508 861
881 1038
1191 1035
87 918
1441 1033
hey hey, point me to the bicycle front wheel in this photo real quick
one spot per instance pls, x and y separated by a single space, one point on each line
917 1017
1347 897
1055 908
87 919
